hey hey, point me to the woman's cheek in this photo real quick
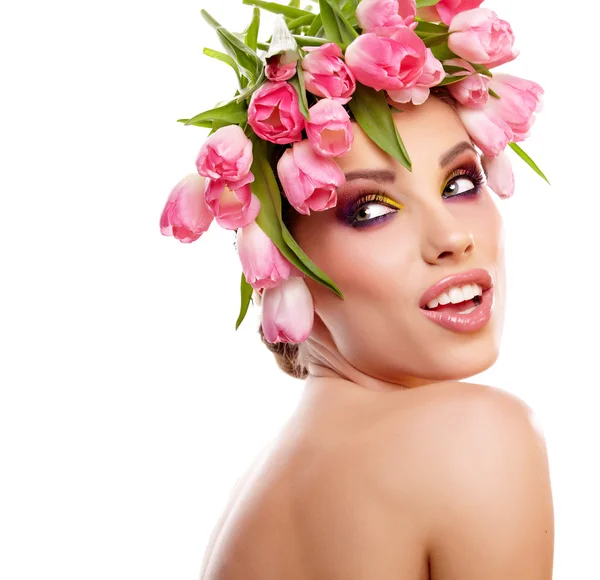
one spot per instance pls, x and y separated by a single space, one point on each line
490 220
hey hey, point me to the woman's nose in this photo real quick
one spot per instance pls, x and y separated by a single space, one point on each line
446 239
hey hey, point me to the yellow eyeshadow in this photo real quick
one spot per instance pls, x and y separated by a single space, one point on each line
394 203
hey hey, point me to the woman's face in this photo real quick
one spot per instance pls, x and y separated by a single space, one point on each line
395 233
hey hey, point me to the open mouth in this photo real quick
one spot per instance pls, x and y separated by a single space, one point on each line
457 300
460 303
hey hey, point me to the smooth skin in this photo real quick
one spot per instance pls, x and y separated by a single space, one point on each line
390 468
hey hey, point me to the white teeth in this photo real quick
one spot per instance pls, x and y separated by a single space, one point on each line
456 295
468 310
468 291
444 298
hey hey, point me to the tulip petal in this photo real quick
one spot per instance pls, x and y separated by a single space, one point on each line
226 154
263 264
500 177
186 215
287 312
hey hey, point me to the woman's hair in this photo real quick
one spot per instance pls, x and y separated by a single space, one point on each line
288 355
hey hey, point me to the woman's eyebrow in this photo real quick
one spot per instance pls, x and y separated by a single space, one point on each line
379 175
454 152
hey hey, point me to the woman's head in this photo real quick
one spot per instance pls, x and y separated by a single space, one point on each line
393 234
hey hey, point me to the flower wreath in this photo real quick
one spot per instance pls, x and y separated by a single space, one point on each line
368 57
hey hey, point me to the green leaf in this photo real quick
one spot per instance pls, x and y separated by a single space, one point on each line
493 94
372 113
314 27
229 61
222 57
425 3
348 9
217 124
450 69
232 113
481 69
454 75
308 266
205 124
275 8
246 92
243 54
246 58
245 296
251 37
429 27
528 160
442 52
269 219
431 41
337 28
298 83
300 22
450 80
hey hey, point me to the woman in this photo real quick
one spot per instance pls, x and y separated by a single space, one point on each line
389 467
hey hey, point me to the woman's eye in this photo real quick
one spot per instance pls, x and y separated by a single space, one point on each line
370 211
459 186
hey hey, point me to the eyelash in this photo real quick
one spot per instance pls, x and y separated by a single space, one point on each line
471 172
366 198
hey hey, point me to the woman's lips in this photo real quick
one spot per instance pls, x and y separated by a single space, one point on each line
450 317
465 322
476 276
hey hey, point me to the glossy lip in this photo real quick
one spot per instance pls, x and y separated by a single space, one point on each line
462 322
476 276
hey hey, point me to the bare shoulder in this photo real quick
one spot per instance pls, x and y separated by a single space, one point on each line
484 492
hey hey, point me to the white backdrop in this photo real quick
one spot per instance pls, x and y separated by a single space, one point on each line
128 404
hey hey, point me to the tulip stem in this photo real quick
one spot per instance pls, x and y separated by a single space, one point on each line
301 40
301 21
309 40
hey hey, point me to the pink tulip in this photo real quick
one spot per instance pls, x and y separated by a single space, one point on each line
519 100
226 154
392 59
372 14
264 266
508 57
329 130
479 36
326 74
288 312
233 205
433 73
274 113
488 131
186 216
278 70
499 174
448 9
309 180
473 91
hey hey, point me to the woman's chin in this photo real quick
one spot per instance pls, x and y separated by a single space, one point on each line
467 363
